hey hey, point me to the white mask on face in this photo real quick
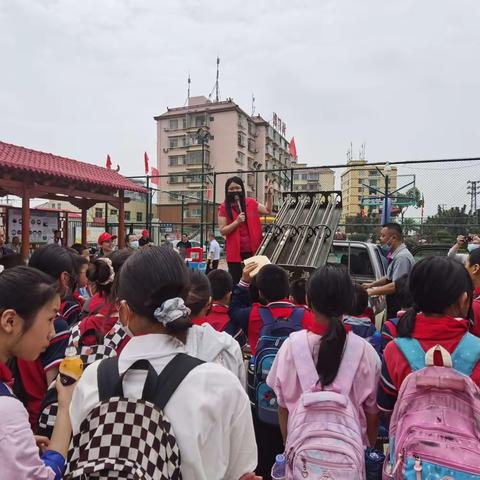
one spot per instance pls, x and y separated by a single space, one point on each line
472 246
134 244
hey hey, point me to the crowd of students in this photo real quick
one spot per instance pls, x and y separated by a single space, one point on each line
201 336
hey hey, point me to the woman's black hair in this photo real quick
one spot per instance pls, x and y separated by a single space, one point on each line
25 290
150 277
99 271
402 292
12 260
228 205
435 284
474 257
330 292
199 293
54 260
79 248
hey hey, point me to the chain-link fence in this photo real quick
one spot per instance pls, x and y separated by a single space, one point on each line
434 200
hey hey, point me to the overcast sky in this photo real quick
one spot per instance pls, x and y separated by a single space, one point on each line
84 78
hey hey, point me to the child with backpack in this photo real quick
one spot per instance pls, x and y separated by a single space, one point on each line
473 267
298 292
221 286
325 380
29 302
189 418
430 378
203 341
266 325
360 323
32 378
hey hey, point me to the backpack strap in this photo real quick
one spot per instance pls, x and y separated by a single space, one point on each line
302 357
266 316
297 317
467 354
107 378
5 391
412 351
172 376
352 355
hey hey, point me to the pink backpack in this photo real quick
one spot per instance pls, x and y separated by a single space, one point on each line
435 427
324 432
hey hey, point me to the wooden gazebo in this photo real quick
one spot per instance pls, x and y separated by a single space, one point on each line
31 174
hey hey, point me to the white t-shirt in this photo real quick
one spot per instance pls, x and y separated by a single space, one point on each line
210 411
214 250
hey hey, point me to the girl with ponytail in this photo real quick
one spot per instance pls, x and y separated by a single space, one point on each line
330 294
441 290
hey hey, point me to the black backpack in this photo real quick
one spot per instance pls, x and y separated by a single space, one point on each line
126 438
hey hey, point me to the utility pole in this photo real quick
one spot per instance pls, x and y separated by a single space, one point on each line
473 190
202 138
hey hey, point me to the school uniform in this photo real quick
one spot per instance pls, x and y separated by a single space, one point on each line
31 376
429 331
70 310
209 412
247 316
20 459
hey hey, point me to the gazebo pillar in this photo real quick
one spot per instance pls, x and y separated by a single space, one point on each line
25 223
84 226
121 219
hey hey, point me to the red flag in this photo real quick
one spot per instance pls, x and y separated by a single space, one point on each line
146 159
293 148
109 162
155 179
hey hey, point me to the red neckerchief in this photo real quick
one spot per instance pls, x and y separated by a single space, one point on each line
476 293
6 375
321 328
439 328
219 308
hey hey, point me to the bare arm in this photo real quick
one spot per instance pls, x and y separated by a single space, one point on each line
283 420
377 283
372 428
51 375
227 229
267 208
388 289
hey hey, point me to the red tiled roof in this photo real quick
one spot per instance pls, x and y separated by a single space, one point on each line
26 160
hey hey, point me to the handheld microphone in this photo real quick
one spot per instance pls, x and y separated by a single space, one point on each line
239 204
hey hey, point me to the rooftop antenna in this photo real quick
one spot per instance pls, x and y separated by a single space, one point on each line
188 89
216 83
253 104
362 154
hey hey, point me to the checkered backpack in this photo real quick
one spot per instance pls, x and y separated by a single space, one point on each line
105 347
128 438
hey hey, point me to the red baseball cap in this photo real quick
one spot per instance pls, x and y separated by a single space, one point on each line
145 233
106 237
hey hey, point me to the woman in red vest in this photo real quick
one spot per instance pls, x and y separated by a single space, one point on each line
239 223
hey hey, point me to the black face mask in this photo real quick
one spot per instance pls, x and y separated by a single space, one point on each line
233 196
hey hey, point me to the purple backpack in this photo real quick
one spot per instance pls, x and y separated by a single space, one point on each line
435 427
324 432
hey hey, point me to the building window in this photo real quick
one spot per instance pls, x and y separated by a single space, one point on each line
251 145
200 120
241 158
195 212
113 211
175 179
99 213
373 183
174 124
372 173
241 139
127 215
139 216
176 160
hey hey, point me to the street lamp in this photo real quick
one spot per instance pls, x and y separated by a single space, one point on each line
202 138
386 210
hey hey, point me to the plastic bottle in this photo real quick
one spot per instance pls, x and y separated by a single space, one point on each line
279 468
71 368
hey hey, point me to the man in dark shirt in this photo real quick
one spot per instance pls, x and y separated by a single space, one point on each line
184 245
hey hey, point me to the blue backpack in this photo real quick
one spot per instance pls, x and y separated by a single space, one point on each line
272 335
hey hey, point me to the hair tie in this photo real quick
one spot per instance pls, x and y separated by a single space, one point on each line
171 310
112 271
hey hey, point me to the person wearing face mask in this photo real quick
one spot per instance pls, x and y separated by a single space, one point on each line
239 223
400 264
470 241
131 242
